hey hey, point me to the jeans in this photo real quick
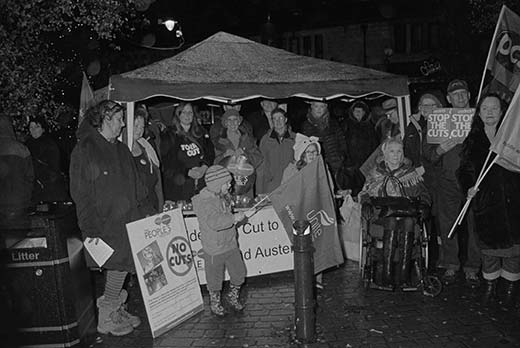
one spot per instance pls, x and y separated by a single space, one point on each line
450 202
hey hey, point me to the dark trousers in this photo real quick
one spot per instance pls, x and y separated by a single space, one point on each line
215 265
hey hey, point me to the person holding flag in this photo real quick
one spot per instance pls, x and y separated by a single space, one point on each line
306 194
496 201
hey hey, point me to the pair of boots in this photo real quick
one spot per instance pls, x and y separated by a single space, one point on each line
113 317
232 298
490 293
389 242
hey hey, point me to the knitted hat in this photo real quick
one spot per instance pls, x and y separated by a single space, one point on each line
228 114
456 84
215 177
301 142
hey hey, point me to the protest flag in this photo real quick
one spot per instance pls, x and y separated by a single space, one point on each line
506 143
86 99
307 196
501 73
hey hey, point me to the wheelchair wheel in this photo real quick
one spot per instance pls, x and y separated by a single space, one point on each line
432 286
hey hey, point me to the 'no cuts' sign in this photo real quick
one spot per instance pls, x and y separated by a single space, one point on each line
449 123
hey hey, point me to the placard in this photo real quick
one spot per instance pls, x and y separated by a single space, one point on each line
263 242
449 123
164 266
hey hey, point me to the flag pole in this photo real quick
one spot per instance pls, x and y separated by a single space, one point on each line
490 49
468 201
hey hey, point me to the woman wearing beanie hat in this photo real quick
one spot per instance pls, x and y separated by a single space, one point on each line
233 144
218 236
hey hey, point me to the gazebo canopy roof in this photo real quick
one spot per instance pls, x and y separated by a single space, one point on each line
229 68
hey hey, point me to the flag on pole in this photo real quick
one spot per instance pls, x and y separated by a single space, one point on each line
307 196
506 143
86 99
502 71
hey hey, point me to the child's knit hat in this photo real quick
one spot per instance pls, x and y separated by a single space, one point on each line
215 177
301 142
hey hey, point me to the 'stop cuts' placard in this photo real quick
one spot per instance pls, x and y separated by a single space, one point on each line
449 123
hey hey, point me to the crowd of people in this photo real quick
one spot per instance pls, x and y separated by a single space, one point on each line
253 154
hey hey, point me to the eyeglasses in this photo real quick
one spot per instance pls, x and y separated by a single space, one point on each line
315 152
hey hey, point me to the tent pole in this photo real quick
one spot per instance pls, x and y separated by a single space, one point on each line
400 112
407 109
130 106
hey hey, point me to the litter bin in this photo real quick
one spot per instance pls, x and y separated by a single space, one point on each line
46 282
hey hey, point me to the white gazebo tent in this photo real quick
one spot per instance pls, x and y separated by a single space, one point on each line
228 69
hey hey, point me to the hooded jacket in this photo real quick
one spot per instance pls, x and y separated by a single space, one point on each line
360 136
180 153
16 171
216 223
107 191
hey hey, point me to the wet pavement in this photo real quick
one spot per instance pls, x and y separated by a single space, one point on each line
347 316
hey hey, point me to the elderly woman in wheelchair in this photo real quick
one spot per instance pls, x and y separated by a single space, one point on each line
395 198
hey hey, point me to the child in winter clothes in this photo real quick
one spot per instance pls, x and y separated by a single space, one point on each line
218 237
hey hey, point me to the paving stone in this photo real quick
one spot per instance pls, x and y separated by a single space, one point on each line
347 315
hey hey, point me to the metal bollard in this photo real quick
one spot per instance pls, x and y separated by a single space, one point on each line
304 304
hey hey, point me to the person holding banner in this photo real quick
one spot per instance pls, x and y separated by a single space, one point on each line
106 188
446 156
306 150
496 202
218 236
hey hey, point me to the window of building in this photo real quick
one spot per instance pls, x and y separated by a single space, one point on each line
295 44
318 46
433 35
417 38
400 38
307 46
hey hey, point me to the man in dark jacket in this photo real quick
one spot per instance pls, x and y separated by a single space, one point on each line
104 185
261 121
451 198
16 176
320 124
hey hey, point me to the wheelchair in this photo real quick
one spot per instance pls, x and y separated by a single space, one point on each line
372 262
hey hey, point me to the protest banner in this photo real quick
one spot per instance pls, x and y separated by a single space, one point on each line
307 196
86 98
502 71
506 143
262 240
449 123
164 267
